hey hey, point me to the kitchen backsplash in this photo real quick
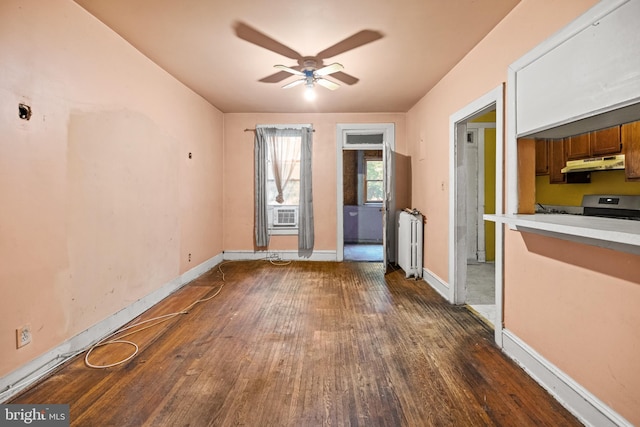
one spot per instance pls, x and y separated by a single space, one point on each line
602 182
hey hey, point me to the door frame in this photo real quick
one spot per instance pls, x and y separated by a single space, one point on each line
457 197
388 145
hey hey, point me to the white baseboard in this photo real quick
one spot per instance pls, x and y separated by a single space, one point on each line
285 255
16 381
590 410
436 283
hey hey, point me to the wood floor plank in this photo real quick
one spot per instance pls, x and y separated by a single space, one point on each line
309 343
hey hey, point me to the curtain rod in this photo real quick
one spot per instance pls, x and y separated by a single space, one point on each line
253 130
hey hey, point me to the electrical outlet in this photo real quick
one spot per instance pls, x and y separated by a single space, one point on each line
23 336
189 257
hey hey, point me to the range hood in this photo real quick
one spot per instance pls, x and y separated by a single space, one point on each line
595 164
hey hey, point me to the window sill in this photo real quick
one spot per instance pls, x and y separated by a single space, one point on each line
617 234
283 231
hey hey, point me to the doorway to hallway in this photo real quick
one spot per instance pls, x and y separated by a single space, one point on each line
365 192
479 165
363 195
473 279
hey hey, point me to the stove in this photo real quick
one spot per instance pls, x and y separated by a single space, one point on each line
611 206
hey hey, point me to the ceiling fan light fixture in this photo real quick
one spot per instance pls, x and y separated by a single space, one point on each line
309 93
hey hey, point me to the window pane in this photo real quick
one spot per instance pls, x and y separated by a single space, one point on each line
376 138
291 193
374 191
289 161
374 169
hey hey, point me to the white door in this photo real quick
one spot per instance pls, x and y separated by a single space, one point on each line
388 214
474 162
471 163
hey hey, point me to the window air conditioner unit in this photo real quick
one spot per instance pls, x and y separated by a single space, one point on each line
285 216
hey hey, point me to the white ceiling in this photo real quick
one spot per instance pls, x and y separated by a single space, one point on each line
198 42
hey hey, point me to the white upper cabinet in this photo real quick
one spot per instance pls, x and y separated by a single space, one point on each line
589 68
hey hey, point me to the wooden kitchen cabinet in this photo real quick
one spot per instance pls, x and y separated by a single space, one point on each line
630 135
557 160
606 141
578 146
594 144
542 157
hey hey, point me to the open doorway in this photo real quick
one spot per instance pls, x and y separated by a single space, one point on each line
479 160
366 192
475 250
363 196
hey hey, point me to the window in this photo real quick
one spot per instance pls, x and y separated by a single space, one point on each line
283 184
365 138
373 180
283 167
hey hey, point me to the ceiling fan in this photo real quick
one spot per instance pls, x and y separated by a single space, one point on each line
310 69
311 74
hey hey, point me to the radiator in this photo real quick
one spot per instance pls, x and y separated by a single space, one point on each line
410 243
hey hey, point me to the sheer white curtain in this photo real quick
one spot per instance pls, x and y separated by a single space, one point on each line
284 152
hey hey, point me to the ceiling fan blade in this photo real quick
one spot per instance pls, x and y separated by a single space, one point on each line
275 77
345 78
328 84
245 32
329 69
358 39
289 70
293 83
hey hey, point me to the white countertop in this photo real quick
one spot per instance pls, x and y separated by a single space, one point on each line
617 234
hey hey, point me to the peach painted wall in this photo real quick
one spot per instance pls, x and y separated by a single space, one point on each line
238 164
482 70
577 305
101 204
574 304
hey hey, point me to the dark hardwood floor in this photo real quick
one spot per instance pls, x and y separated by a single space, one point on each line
306 344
